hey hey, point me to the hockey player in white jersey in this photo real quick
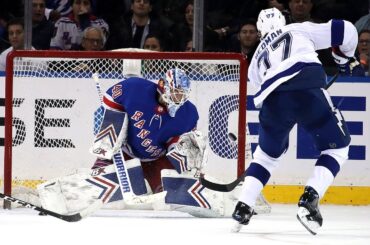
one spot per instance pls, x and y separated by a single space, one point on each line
291 90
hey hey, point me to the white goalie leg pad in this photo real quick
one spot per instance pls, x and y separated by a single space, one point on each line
76 193
25 194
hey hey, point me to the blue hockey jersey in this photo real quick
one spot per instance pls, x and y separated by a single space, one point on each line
151 130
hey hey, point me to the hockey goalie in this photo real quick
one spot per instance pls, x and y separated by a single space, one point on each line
149 155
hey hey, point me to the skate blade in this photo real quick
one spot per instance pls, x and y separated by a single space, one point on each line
236 228
311 226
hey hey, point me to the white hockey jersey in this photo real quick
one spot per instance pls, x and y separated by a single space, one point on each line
284 52
68 34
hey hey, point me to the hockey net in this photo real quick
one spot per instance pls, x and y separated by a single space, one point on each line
56 108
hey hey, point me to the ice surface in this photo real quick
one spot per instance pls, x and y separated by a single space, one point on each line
342 225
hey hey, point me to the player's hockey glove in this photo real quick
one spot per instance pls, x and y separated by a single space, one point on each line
346 65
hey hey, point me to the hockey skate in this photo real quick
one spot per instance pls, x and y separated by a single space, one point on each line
308 212
242 214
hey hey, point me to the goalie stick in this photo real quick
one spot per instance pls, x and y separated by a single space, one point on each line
231 186
68 218
118 158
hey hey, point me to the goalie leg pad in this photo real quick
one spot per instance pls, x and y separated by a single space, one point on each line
136 174
186 194
178 161
78 192
69 194
111 136
135 171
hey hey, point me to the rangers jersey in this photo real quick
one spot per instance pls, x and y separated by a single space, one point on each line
284 52
151 130
68 34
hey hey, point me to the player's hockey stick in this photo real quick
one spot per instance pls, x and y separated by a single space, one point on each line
331 81
221 187
230 186
68 218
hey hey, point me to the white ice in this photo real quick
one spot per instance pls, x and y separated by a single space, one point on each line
342 225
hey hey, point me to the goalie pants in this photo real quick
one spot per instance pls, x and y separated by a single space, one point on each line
151 170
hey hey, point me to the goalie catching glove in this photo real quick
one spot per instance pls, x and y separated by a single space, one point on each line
189 152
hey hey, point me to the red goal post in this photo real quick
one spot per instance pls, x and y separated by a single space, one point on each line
51 106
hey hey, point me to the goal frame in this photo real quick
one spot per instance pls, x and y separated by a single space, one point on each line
8 132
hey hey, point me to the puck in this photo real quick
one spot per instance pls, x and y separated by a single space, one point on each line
232 137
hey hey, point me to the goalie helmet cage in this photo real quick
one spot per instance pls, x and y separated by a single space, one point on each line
41 86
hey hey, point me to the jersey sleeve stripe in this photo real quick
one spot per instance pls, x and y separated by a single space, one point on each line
112 105
337 32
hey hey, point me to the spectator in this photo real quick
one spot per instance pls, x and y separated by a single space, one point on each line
57 8
9 9
113 12
68 30
247 38
4 42
281 5
169 14
276 4
364 22
16 39
222 21
154 42
184 31
93 39
42 29
185 27
171 10
189 46
300 11
140 23
363 50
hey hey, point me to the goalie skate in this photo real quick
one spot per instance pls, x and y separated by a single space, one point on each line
308 212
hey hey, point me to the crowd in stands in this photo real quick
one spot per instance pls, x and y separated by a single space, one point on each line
167 25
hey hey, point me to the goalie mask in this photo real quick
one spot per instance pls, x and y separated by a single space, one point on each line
269 20
174 89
